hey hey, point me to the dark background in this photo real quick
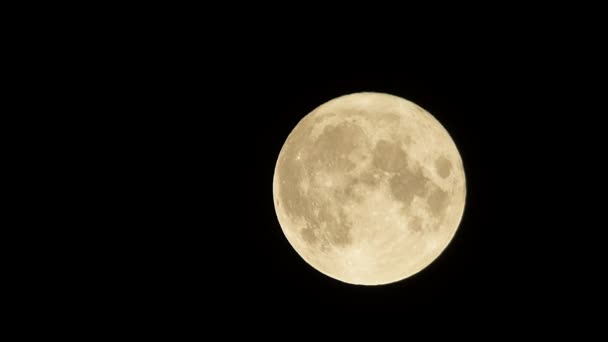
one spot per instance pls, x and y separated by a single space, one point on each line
198 125
214 242
152 133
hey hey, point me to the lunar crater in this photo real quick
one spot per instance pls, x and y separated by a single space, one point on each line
443 166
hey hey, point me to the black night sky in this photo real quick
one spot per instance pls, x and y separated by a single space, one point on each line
218 150
207 142
144 194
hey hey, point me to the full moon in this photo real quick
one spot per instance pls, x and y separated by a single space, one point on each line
369 188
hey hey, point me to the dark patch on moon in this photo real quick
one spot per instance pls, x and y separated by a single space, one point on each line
443 166
389 157
407 184
407 140
338 228
369 178
332 148
339 235
350 191
416 224
438 201
308 234
404 183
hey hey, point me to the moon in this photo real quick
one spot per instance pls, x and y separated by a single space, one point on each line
369 188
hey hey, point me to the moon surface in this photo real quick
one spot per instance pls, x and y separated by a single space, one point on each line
369 188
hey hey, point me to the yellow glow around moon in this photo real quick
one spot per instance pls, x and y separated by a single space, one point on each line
369 188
